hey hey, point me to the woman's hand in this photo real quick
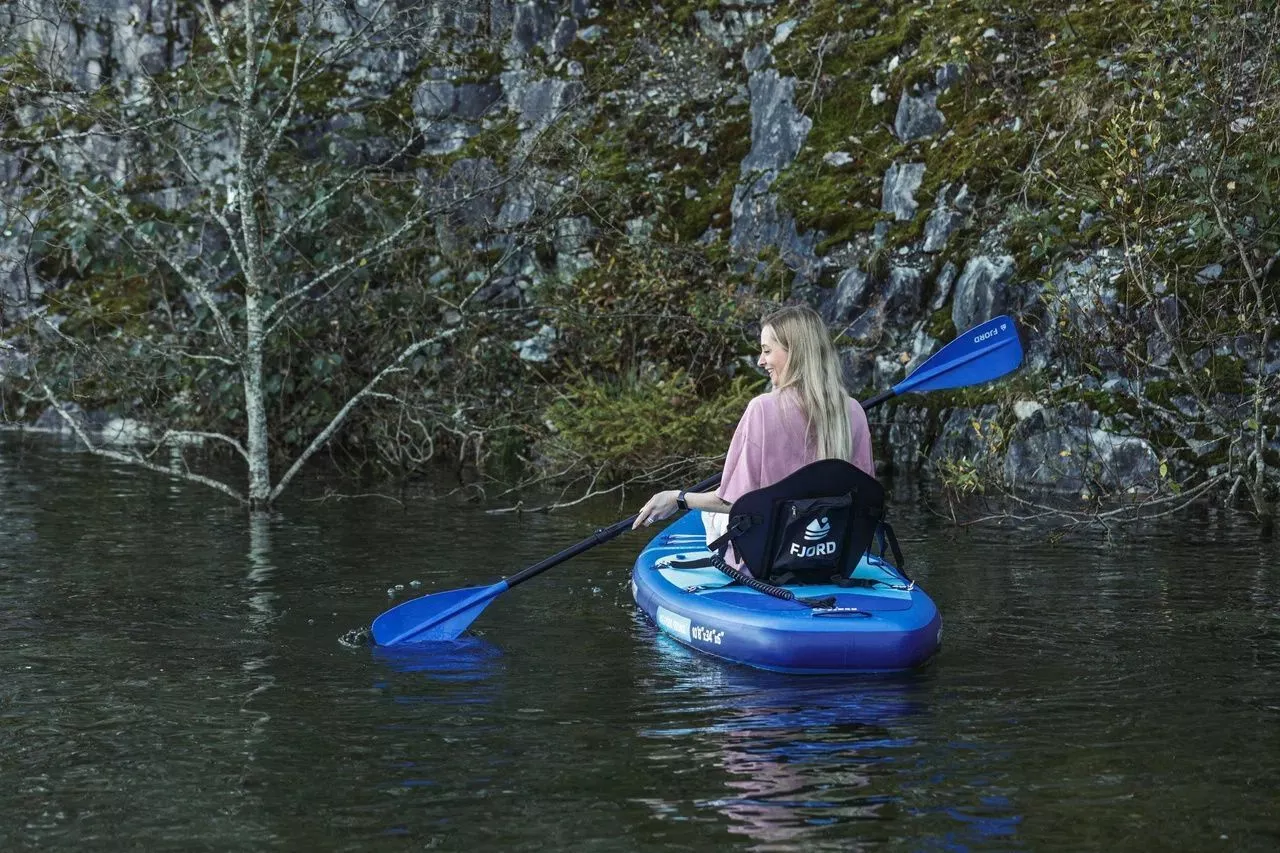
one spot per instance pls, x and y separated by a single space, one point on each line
661 505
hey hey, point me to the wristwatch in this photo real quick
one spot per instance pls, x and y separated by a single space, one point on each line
680 501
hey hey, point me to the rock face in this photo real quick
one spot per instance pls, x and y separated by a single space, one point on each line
740 126
778 132
1054 449
965 434
918 116
778 129
900 184
850 295
909 437
449 113
946 218
980 290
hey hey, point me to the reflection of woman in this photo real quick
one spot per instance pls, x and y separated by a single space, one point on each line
800 764
776 797
806 417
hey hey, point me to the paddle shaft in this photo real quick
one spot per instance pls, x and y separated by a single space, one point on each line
600 537
879 398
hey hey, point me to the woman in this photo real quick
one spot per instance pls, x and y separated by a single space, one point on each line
807 416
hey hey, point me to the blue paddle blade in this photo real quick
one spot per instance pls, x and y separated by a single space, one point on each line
436 617
979 355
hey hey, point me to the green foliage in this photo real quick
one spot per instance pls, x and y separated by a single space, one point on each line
622 427
960 476
656 335
653 308
970 475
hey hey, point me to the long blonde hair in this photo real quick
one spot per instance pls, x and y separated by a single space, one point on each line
813 372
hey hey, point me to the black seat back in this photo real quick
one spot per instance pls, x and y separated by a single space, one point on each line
812 526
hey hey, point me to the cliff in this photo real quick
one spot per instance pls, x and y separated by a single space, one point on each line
601 197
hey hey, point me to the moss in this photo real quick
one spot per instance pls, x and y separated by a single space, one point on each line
834 53
694 185
941 326
692 217
838 36
838 200
712 175
1108 404
684 14
839 227
975 151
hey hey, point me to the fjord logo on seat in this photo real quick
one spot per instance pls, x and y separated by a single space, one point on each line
815 531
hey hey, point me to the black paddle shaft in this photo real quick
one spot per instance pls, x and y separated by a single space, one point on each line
600 537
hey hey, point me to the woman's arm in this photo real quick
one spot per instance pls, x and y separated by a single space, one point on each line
663 505
706 501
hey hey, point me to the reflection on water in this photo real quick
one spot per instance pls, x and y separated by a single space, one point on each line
261 613
824 763
796 757
467 659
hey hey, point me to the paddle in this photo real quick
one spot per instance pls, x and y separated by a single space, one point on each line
983 353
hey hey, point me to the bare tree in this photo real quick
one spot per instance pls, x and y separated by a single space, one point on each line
262 187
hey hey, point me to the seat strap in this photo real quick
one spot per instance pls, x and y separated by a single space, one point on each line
738 524
884 532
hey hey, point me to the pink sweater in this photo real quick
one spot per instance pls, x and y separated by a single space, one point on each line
772 441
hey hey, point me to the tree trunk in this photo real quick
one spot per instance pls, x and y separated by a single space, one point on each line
255 405
254 266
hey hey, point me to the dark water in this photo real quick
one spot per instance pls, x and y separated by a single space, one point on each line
173 679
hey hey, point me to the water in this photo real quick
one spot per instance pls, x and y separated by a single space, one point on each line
174 679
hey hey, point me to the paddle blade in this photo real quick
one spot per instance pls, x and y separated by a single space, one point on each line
983 353
436 617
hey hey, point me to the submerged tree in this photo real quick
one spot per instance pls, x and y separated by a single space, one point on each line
249 218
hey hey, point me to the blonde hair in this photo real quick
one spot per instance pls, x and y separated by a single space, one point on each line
813 373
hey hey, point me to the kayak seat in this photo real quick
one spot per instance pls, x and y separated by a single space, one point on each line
811 527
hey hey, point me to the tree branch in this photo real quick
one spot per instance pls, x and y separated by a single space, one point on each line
324 435
134 459
200 288
173 437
